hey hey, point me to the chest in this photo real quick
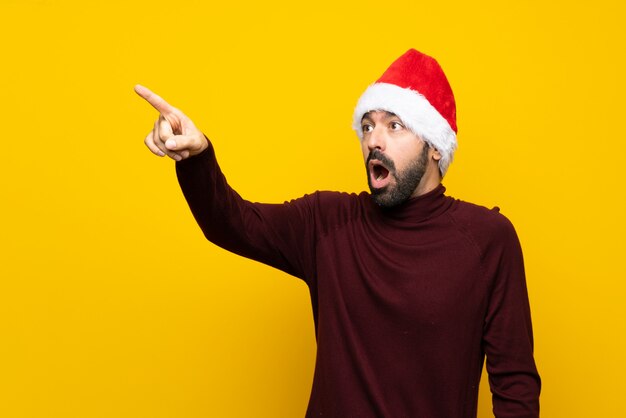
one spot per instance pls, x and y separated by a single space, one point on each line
422 276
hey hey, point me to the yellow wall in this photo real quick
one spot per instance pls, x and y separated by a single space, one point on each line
113 305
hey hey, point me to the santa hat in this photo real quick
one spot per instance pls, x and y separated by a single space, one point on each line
415 88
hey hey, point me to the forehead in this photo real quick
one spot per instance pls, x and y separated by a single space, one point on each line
383 115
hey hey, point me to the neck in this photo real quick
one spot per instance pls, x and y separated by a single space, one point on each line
430 180
417 209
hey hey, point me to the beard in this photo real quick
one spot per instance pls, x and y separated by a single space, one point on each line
406 181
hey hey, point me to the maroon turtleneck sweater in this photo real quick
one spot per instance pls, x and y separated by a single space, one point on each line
406 301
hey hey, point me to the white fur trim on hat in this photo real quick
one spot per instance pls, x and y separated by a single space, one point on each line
416 113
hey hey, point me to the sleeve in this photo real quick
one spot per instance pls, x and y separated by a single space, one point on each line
508 336
280 235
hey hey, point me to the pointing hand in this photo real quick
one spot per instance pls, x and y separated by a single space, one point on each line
174 134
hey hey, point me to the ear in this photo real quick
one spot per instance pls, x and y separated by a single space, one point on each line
435 154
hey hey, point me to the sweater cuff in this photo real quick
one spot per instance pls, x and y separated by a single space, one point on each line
198 159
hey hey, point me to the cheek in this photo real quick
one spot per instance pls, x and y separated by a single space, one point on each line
407 155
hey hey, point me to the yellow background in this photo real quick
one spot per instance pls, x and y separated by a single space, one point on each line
113 305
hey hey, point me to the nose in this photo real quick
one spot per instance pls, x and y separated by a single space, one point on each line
376 139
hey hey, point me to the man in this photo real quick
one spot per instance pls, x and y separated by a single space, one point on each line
410 288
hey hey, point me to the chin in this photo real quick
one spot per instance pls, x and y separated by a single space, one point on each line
388 198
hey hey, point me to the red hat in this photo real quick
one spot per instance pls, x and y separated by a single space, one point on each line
415 88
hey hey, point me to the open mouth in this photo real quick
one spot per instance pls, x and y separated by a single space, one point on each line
379 174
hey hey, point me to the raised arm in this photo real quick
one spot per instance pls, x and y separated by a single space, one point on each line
280 235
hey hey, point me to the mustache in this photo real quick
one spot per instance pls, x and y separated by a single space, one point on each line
377 154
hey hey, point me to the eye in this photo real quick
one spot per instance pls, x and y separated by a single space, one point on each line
366 128
396 126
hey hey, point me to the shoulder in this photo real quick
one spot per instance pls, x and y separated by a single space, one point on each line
485 225
332 209
333 201
342 204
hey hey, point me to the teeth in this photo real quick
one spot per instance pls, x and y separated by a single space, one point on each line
380 177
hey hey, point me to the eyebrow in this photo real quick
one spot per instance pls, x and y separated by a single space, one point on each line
388 115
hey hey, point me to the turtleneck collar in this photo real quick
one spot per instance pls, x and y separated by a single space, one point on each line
418 209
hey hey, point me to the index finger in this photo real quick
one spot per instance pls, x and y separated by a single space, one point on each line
154 99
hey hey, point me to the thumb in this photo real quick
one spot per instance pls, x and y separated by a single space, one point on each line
183 142
174 143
